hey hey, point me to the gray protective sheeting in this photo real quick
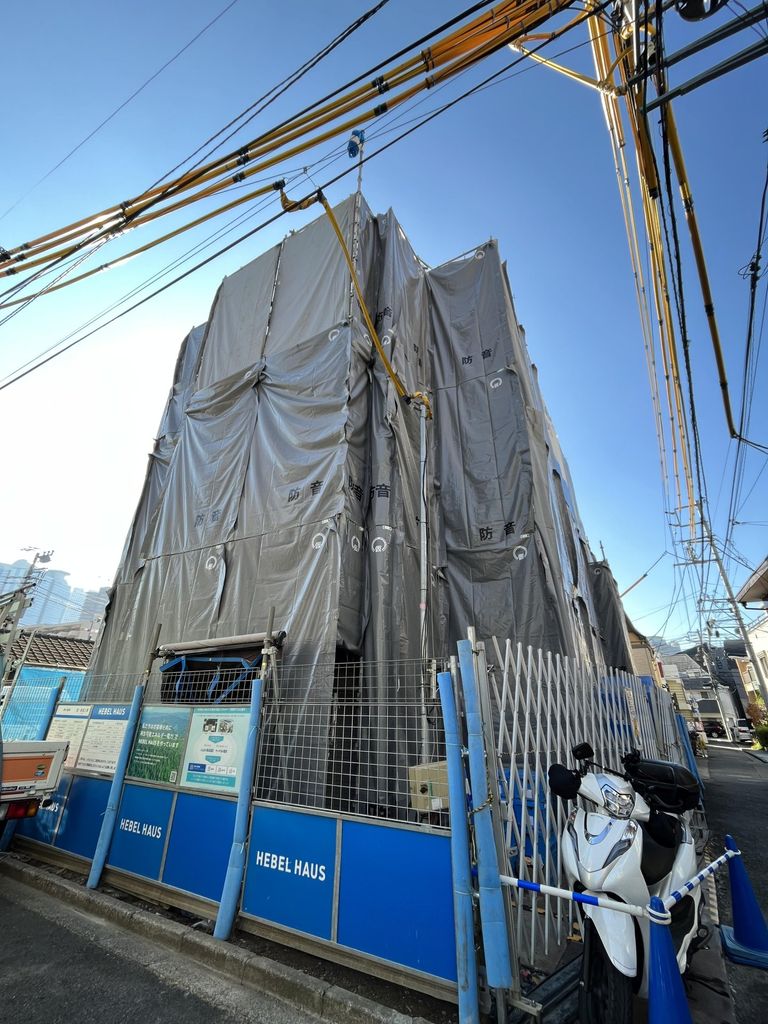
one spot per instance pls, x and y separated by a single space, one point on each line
286 475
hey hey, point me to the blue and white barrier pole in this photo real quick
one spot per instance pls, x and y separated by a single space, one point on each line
624 908
233 881
667 1001
493 919
42 731
115 792
695 882
575 897
466 961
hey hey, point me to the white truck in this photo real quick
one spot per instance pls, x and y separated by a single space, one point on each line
30 771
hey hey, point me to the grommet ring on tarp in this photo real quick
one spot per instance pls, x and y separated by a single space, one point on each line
519 553
317 541
211 562
495 383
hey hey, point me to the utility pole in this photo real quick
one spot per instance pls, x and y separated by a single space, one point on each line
756 666
26 584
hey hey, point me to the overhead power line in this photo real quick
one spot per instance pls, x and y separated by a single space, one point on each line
470 44
551 37
258 106
122 106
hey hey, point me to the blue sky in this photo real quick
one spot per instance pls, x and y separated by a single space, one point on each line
526 161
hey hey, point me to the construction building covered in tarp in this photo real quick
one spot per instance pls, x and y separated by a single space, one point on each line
286 473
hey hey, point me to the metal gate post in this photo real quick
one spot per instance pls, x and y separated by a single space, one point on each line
233 881
493 917
115 792
466 961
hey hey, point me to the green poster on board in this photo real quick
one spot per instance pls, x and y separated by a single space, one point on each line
159 744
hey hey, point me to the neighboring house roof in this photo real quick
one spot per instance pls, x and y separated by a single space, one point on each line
52 651
756 587
685 664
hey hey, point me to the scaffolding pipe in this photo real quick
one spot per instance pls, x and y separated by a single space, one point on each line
423 576
214 644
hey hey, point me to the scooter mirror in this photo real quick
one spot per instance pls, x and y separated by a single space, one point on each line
564 782
583 752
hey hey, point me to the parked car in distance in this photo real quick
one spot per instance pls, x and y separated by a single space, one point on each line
714 729
742 731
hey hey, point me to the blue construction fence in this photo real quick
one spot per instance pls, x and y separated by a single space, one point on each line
29 700
380 889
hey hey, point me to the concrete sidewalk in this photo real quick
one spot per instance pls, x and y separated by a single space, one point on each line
737 803
301 998
706 982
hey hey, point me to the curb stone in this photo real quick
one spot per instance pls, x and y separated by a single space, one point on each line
305 992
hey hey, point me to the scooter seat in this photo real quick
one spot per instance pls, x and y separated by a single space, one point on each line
662 836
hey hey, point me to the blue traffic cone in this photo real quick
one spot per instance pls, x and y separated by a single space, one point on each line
747 942
667 1003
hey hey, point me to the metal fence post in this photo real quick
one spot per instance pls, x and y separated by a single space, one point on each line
492 911
466 962
115 792
230 895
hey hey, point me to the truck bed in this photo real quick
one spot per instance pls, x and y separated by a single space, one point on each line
31 769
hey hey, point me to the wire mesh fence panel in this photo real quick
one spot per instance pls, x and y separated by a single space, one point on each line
110 687
368 740
363 738
541 706
25 712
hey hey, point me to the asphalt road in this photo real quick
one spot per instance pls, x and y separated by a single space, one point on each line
737 802
59 966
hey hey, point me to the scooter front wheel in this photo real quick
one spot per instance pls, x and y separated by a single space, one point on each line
606 995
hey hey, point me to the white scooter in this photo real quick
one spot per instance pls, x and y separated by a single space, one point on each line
631 843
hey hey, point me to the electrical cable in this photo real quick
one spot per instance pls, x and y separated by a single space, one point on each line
148 282
740 15
276 91
749 376
20 374
119 260
238 156
295 77
124 104
471 44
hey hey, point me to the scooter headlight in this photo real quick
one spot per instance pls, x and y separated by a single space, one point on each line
618 804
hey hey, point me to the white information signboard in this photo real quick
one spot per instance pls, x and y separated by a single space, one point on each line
103 738
69 724
215 749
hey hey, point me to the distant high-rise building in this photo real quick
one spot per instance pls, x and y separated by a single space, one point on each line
53 600
94 603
